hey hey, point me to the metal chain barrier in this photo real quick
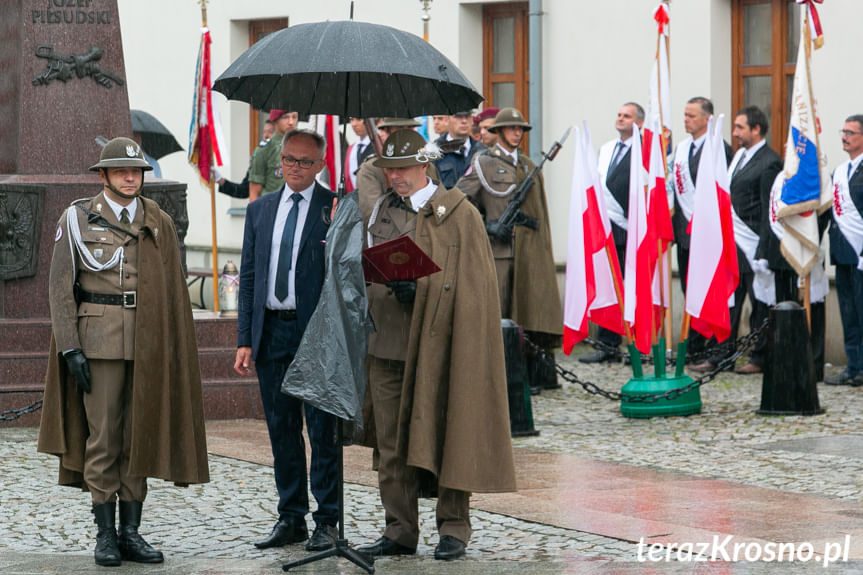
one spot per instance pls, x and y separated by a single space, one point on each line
743 344
13 414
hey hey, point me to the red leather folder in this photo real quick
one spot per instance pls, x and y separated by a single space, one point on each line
398 259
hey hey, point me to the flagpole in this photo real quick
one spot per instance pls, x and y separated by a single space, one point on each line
665 276
619 295
211 184
807 36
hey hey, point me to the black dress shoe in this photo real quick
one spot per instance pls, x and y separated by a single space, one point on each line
284 533
599 356
385 546
323 538
449 548
844 378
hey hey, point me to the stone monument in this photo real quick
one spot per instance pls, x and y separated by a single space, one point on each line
62 85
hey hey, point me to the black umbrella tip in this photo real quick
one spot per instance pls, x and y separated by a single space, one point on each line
352 9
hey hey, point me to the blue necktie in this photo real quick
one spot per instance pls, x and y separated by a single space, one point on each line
286 251
849 170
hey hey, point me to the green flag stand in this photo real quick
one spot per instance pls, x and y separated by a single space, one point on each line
658 383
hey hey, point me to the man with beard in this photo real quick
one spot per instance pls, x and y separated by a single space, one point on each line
123 390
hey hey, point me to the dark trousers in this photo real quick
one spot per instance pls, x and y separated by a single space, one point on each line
285 425
786 290
606 336
697 342
758 353
849 292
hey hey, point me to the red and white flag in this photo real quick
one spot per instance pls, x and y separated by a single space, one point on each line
658 210
713 274
591 261
204 130
641 253
328 127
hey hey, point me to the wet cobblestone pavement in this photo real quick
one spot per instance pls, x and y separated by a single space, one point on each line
209 528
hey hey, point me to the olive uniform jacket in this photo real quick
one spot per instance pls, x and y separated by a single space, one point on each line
168 439
454 415
536 304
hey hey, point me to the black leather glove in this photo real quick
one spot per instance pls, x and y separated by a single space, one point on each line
404 290
498 232
79 368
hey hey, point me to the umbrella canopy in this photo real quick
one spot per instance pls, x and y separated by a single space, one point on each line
349 69
156 139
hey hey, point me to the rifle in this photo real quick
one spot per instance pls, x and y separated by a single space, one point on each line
502 228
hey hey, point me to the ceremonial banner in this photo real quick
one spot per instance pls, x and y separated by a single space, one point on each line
713 274
803 191
204 151
592 268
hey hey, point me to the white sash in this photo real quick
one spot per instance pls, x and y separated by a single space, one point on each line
844 211
684 187
614 209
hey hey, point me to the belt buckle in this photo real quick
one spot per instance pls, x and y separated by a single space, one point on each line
130 299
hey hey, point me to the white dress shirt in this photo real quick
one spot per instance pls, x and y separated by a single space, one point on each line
285 206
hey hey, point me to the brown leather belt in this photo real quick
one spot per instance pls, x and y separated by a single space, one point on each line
284 314
127 299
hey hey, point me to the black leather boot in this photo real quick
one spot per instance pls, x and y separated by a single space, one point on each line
132 545
107 553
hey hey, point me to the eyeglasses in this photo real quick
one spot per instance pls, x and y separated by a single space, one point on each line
849 133
290 162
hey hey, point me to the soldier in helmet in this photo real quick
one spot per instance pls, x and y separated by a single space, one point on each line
371 181
123 391
437 381
526 275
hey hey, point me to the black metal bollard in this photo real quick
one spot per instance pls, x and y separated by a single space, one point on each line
788 385
517 389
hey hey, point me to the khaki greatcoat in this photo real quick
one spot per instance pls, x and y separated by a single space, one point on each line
536 304
168 439
454 415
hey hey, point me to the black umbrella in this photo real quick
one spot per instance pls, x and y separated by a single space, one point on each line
349 69
156 139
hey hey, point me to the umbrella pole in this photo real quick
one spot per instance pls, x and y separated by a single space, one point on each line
341 547
212 185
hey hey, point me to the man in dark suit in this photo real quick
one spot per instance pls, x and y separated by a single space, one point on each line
846 247
753 170
281 275
684 175
613 166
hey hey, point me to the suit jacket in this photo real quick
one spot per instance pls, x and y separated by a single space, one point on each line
750 197
453 165
841 252
678 220
617 181
254 268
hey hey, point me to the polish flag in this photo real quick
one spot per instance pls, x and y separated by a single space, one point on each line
204 130
713 275
591 262
328 127
658 210
641 253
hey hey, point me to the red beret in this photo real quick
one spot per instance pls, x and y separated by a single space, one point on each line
276 114
486 114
